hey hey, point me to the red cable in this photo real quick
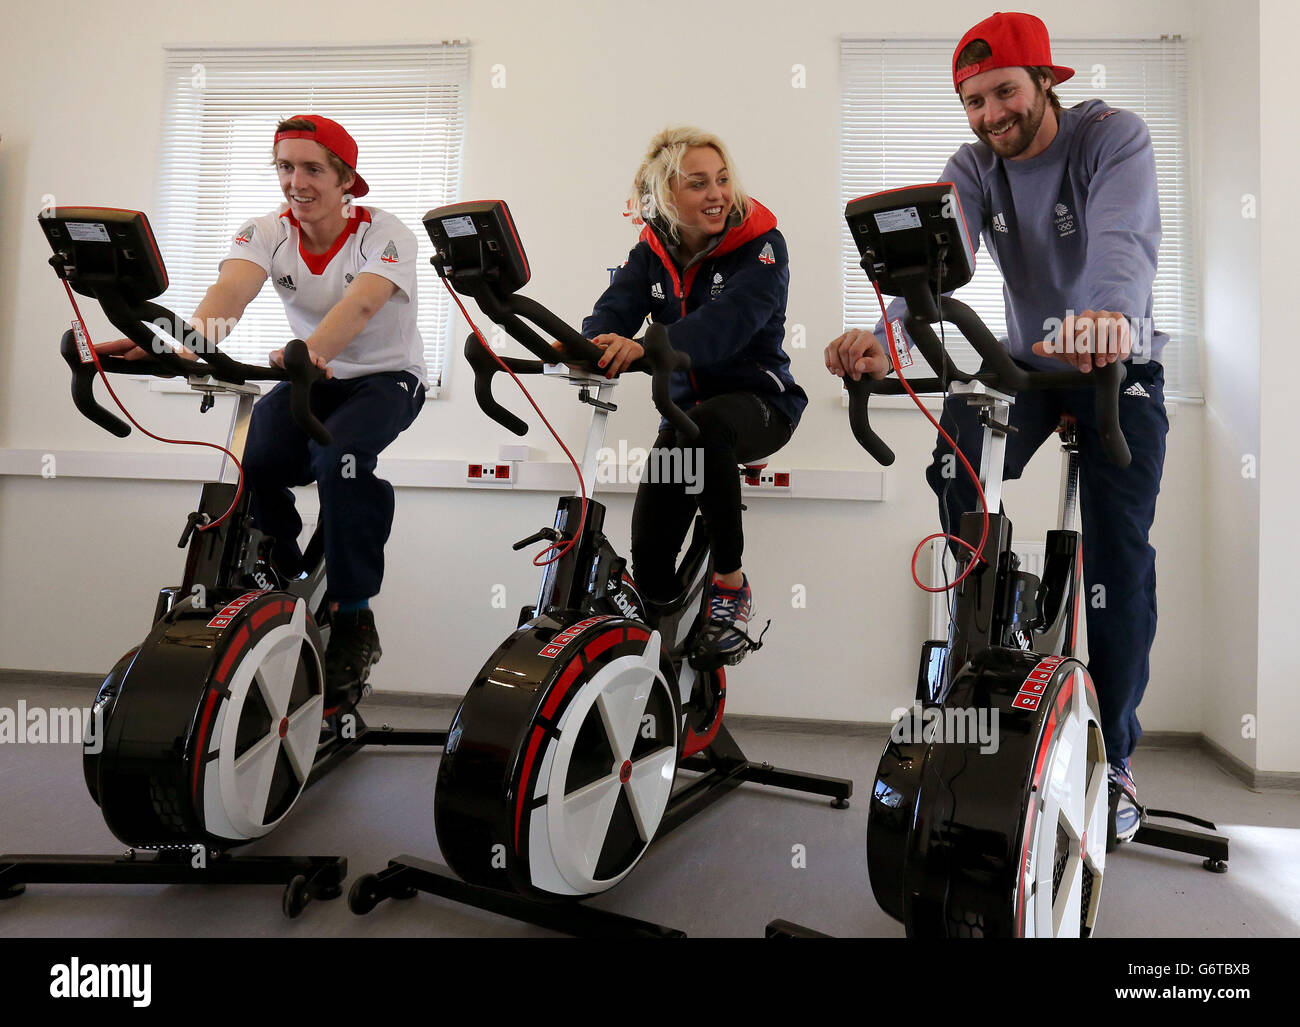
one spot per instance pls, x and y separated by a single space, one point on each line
984 506
559 550
94 356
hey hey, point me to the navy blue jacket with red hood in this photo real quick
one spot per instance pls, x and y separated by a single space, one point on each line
726 311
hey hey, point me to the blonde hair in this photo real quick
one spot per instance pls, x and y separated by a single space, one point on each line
651 197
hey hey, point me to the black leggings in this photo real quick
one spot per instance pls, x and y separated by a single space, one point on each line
735 428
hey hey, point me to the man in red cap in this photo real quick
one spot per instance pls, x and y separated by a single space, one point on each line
1065 200
347 278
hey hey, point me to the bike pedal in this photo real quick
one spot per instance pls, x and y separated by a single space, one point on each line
705 661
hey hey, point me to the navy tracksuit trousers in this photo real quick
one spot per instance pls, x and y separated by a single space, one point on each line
363 415
1117 508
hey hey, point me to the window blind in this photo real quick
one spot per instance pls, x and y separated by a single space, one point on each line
405 107
900 121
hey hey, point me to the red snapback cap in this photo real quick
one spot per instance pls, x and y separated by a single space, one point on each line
1017 40
334 137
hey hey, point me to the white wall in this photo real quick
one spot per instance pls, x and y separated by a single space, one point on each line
1279 699
586 86
1229 245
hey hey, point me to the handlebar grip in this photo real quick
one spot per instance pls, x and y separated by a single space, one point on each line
302 375
993 355
83 388
485 367
663 360
1109 379
859 395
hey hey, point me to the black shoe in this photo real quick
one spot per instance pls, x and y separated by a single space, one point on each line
353 648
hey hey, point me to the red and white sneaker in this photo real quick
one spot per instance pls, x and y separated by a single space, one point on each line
730 611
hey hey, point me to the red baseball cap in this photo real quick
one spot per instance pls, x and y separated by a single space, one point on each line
1017 40
334 137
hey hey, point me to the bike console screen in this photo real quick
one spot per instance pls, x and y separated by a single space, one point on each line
477 243
910 233
104 246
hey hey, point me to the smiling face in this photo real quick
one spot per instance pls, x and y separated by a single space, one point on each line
1009 111
702 193
309 182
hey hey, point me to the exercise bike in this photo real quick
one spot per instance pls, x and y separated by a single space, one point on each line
964 842
208 732
560 764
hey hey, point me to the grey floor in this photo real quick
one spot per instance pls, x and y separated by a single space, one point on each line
725 873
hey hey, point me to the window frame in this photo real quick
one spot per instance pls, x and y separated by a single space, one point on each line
211 94
881 81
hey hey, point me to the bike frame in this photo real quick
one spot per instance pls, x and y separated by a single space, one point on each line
997 605
591 571
217 558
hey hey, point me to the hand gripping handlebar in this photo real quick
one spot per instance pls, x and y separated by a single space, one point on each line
1002 374
660 360
298 370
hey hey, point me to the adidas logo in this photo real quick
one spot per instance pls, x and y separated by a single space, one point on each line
656 291
286 282
999 223
1136 390
766 256
404 386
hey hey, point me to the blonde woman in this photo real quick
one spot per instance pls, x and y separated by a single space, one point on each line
712 268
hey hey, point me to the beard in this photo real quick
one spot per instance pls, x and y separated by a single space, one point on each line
1022 132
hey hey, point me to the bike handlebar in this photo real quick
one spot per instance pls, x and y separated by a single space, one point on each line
302 374
484 364
1003 374
660 360
298 369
